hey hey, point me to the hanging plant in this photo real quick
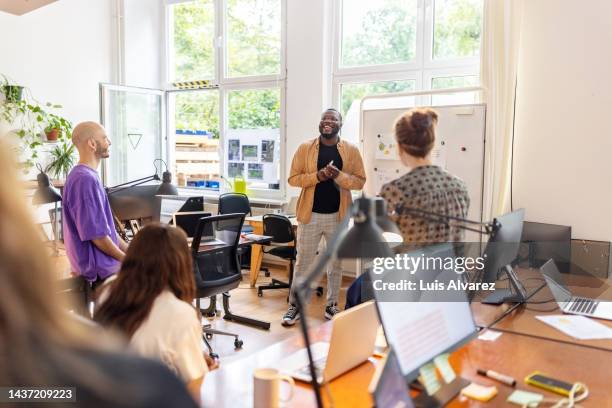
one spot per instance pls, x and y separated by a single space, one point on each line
30 121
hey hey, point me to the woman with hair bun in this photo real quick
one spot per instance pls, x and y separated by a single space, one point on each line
426 186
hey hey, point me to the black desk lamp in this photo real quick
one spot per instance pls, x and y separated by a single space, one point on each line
47 194
165 188
364 239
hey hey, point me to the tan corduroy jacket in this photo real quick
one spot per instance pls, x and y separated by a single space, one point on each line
304 174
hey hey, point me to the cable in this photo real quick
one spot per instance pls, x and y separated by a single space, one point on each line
569 402
512 146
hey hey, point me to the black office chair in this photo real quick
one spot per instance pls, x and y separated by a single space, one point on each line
215 254
280 229
232 203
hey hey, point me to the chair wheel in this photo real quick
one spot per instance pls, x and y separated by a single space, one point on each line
214 356
211 314
238 343
259 292
208 336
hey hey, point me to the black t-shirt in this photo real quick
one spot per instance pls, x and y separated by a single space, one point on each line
327 193
120 380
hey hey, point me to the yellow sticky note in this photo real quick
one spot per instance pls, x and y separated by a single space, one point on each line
429 378
479 392
445 368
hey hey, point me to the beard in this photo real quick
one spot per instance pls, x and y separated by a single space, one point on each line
102 152
334 132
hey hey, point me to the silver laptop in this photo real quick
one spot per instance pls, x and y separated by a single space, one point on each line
352 342
569 303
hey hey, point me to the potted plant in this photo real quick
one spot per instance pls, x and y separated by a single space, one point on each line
57 127
12 93
62 160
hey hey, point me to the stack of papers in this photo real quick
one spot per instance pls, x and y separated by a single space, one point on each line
579 327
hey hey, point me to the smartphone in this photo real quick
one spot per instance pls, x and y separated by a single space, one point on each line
540 380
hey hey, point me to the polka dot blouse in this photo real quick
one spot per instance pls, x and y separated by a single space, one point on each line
429 188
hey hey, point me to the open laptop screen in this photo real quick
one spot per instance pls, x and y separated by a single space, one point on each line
423 327
554 281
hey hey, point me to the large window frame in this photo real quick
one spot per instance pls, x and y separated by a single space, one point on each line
422 69
226 84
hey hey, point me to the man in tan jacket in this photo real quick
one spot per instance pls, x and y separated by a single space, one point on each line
327 169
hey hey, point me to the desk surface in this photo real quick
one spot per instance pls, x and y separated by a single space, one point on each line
511 354
523 320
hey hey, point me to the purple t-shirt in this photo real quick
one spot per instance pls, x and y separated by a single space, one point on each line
86 216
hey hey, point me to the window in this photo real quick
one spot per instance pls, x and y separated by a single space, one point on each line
457 28
192 33
454 82
403 45
253 37
378 32
354 91
231 127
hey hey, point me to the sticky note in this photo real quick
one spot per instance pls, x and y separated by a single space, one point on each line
523 398
479 392
445 368
489 335
429 378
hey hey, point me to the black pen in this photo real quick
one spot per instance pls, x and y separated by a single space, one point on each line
497 376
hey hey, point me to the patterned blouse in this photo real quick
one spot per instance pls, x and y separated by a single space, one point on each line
429 188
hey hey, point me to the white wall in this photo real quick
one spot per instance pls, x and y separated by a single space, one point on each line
307 72
143 22
562 166
61 52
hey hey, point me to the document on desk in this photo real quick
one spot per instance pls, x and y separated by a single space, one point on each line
212 242
579 327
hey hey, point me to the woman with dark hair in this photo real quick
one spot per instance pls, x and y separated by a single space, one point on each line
426 186
150 303
42 345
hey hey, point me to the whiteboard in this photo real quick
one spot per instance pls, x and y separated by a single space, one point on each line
460 139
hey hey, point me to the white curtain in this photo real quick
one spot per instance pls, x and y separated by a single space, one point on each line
499 64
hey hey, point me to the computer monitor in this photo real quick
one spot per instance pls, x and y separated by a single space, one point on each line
168 205
135 203
188 221
541 242
425 324
500 253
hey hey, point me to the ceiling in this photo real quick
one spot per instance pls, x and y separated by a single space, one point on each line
20 7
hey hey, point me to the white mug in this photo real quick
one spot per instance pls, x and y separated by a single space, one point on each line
266 388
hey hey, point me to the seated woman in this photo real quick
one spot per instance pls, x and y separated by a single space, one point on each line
426 186
42 344
150 303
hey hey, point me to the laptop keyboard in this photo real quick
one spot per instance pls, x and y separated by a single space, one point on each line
319 366
583 305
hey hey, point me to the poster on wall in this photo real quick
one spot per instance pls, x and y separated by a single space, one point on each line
386 147
233 150
235 170
256 171
249 153
267 151
253 154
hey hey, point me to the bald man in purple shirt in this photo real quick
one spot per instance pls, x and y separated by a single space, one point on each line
93 247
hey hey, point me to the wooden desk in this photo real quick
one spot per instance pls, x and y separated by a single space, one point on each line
511 354
256 250
523 319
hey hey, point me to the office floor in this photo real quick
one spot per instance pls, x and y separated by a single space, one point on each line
271 307
244 301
